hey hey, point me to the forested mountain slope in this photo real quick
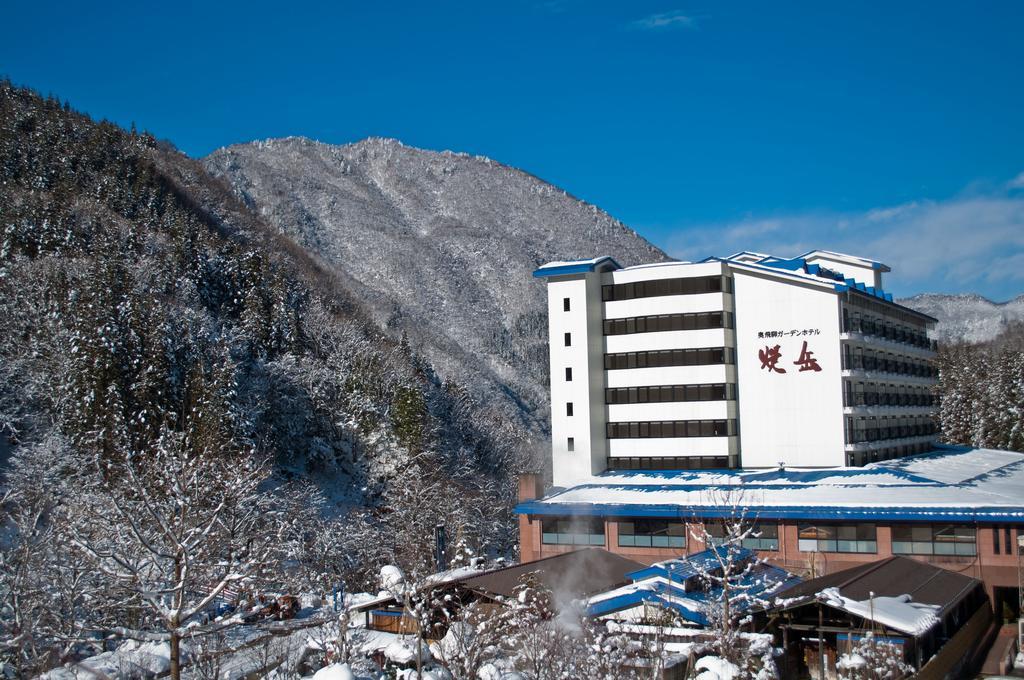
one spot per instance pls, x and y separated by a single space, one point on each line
441 246
139 297
967 317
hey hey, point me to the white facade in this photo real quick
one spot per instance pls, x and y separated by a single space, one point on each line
750 360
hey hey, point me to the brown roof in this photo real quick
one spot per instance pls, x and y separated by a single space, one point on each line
577 573
891 577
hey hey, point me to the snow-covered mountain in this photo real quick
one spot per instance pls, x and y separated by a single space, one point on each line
967 317
439 245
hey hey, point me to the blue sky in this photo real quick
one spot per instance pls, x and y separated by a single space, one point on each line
891 130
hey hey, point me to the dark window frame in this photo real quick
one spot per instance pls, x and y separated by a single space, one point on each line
695 285
670 429
658 323
650 533
953 539
665 358
835 537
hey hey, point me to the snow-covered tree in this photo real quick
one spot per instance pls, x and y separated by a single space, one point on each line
873 659
170 529
734 577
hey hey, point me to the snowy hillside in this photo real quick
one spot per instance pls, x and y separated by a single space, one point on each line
439 246
971 318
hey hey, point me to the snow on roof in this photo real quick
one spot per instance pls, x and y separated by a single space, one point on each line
670 584
949 484
899 613
651 265
843 257
574 266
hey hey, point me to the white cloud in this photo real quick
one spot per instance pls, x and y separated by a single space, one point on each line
1017 182
971 243
664 21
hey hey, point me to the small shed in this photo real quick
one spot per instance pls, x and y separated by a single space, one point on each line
933 615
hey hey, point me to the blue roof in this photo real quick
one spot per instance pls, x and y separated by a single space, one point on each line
995 515
677 592
683 568
574 267
951 484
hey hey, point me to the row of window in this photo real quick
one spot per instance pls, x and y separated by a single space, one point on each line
859 430
665 393
934 539
672 428
705 356
866 306
659 287
916 336
843 538
909 539
864 359
668 462
859 458
696 321
877 395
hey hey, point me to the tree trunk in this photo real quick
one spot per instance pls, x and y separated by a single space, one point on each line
175 671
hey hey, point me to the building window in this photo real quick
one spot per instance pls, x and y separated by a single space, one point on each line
688 286
568 374
842 538
934 539
568 339
565 304
668 462
568 408
573 531
668 322
571 443
763 537
665 393
671 428
652 533
704 356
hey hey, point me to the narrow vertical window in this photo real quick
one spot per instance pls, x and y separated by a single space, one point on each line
565 304
568 408
568 374
568 339
571 444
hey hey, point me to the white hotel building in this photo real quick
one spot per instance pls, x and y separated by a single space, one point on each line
795 387
748 361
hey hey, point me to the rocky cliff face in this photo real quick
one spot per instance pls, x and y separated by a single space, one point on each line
440 246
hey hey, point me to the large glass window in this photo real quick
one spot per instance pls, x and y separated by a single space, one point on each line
762 536
842 538
573 531
934 539
652 533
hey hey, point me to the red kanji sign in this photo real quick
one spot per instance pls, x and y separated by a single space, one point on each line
770 356
807 362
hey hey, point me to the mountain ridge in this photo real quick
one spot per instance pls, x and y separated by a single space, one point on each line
440 244
967 317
